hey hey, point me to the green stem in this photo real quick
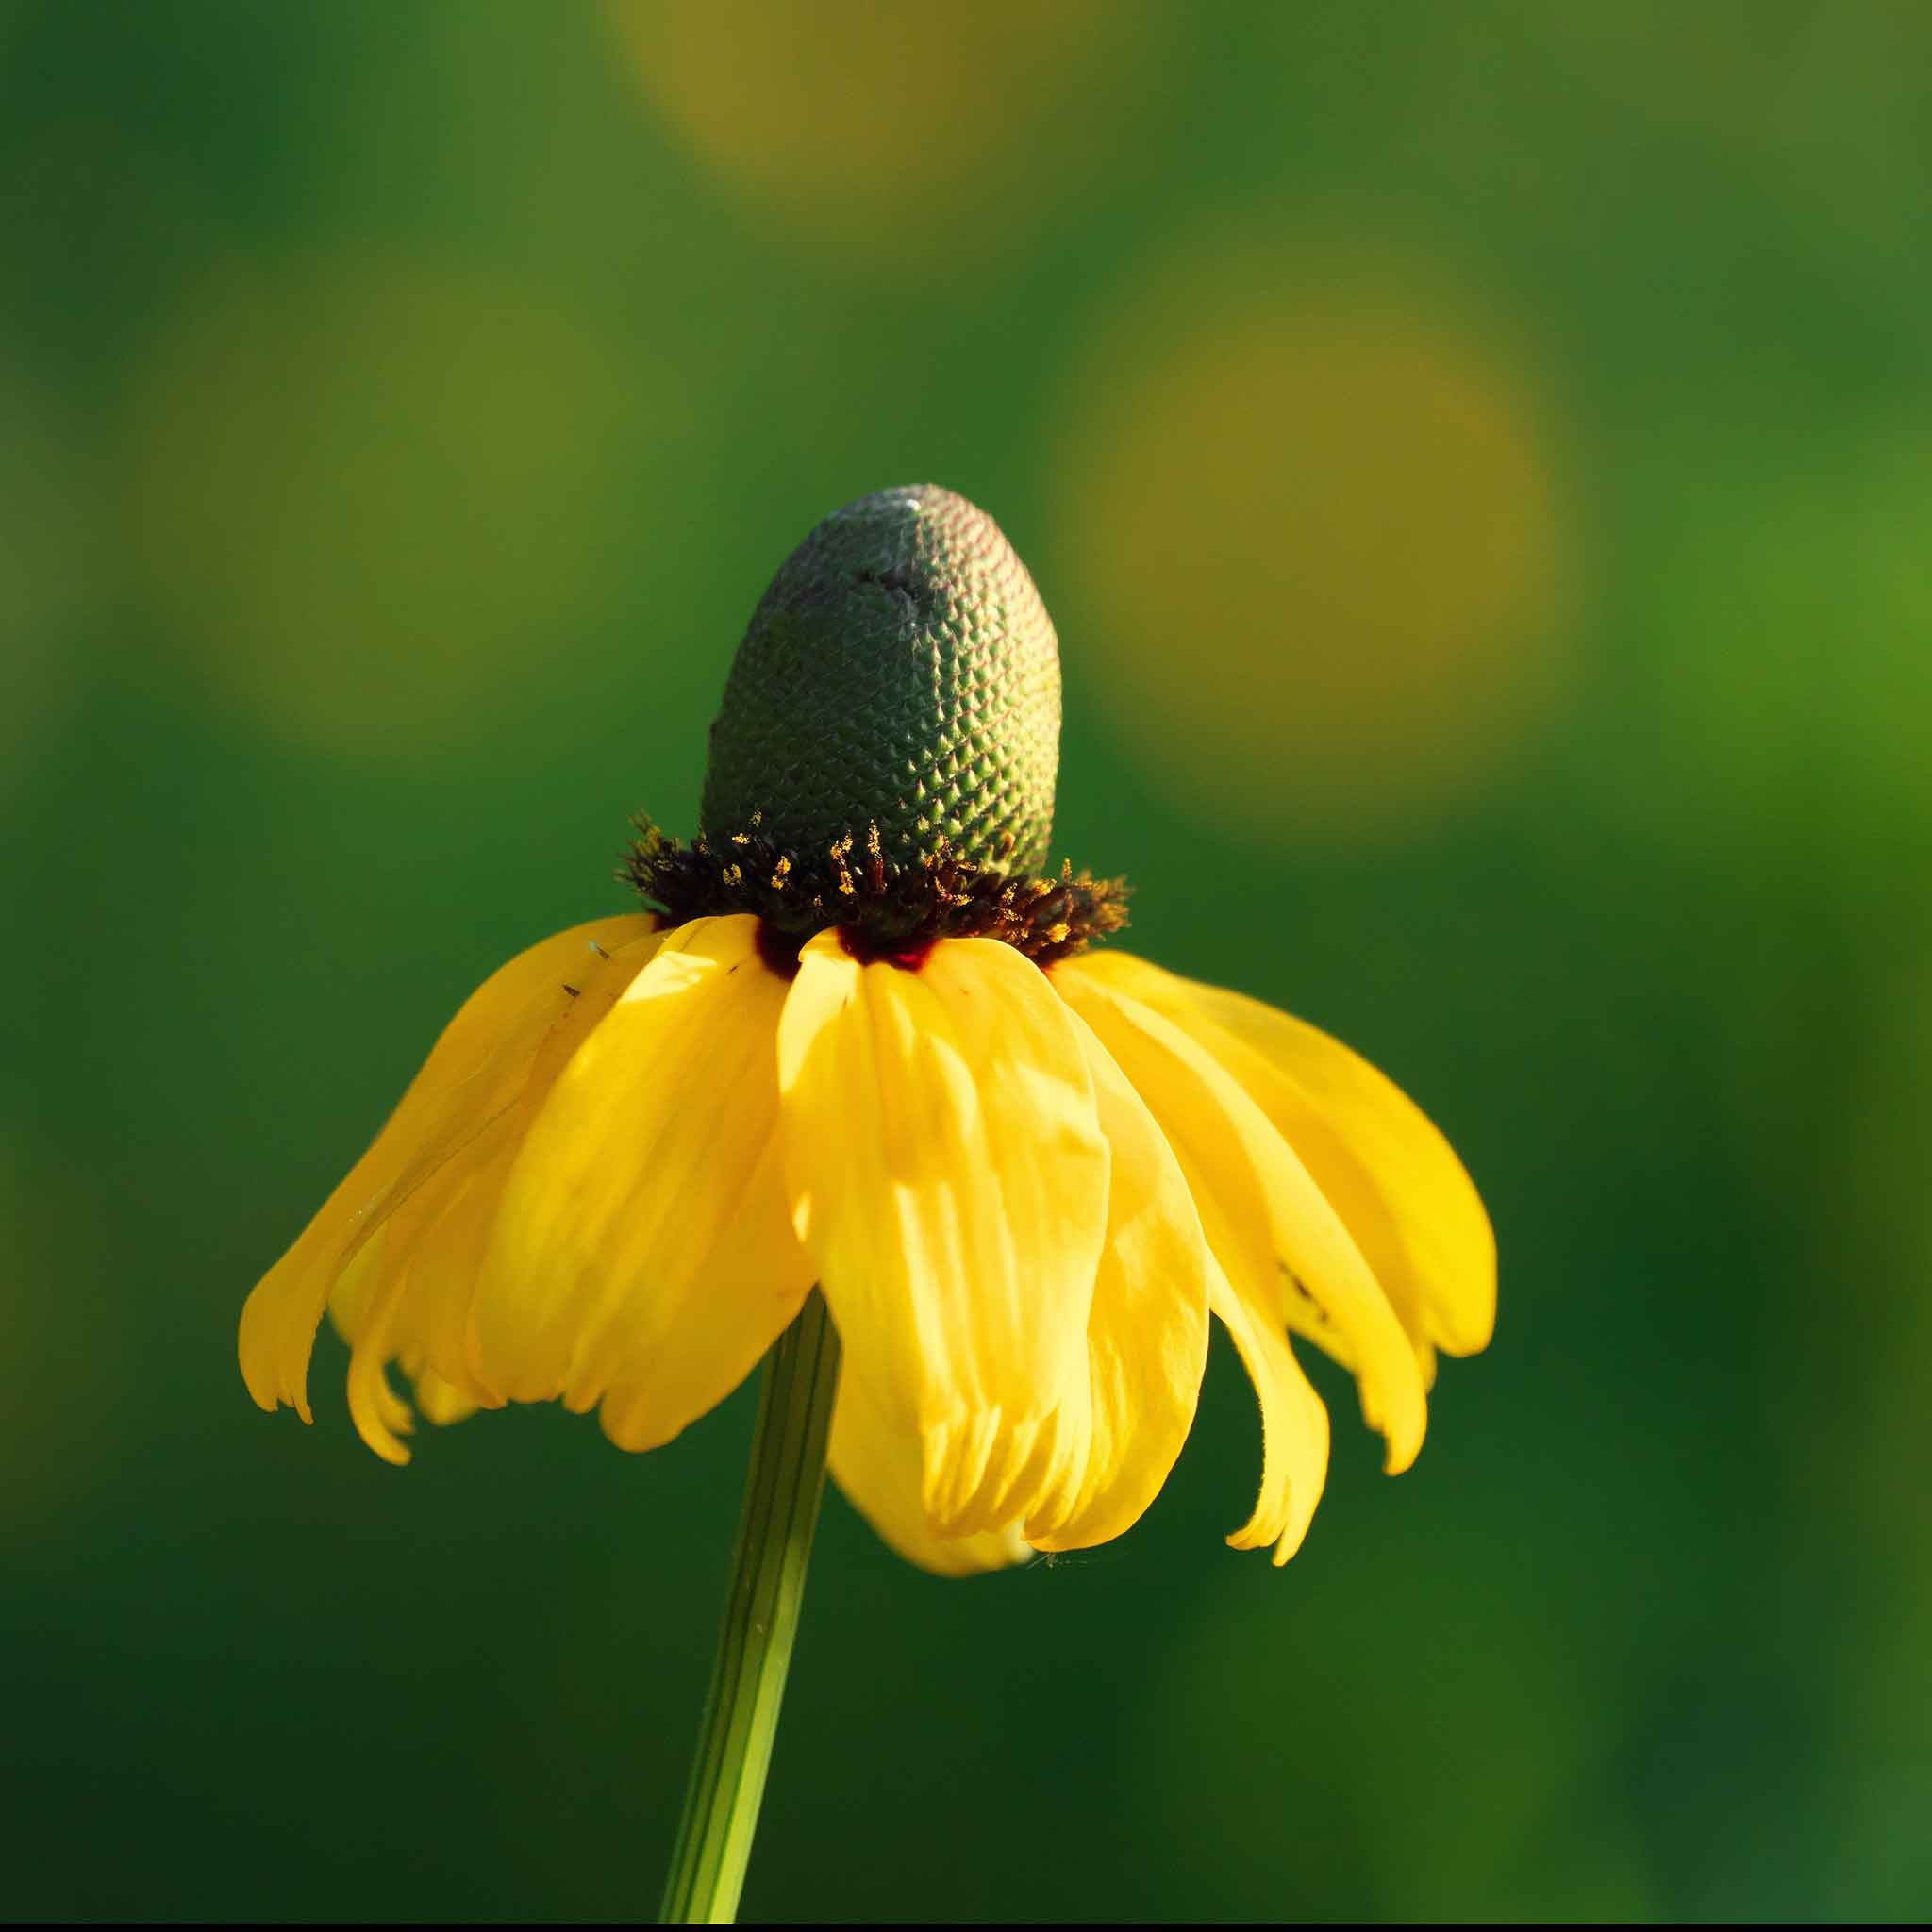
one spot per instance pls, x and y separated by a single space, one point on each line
781 1509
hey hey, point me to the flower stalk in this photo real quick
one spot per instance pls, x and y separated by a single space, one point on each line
773 1548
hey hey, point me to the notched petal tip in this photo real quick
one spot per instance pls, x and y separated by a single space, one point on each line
274 1345
882 1469
984 1474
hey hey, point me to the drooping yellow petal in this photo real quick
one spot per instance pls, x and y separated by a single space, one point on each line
1396 1181
882 1471
949 1178
378 1301
445 1263
382 1418
363 1303
1146 1333
442 1402
1281 1243
644 1254
1386 1169
383 1309
411 1305
448 1242
1294 1425
475 1069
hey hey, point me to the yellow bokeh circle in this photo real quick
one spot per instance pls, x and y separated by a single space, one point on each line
917 134
1311 526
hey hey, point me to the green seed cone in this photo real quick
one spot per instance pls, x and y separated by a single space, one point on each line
900 671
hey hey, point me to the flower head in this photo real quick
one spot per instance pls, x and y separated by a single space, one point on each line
860 1040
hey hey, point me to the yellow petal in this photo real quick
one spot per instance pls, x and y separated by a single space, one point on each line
474 1071
949 1178
1294 1425
643 1253
364 1303
432 1327
1146 1334
412 1303
375 1302
516 1080
382 1418
448 1245
1281 1243
882 1471
439 1400
1405 1198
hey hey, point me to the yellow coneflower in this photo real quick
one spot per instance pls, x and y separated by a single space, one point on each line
858 1043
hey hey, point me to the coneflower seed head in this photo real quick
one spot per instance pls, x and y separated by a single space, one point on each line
900 671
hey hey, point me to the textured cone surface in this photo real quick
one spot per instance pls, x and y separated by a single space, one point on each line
901 671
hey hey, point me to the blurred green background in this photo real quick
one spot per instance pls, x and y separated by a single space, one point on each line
1478 459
